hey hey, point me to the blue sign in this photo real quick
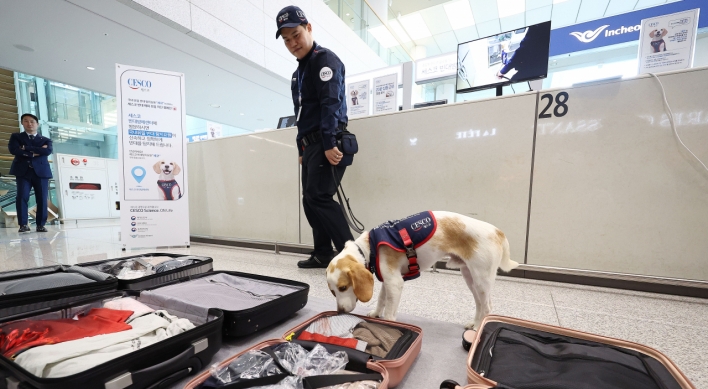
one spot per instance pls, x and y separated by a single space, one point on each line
615 29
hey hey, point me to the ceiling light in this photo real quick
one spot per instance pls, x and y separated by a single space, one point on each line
24 48
384 36
510 7
216 105
459 14
241 114
399 31
559 1
415 26
347 14
90 68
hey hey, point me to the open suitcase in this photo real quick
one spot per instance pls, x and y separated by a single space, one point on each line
250 302
388 370
518 354
156 363
168 268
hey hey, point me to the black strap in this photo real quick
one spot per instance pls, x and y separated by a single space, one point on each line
356 225
321 381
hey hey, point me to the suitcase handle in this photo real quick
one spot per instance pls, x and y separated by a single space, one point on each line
164 369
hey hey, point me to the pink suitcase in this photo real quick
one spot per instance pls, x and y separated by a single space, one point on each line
518 354
392 368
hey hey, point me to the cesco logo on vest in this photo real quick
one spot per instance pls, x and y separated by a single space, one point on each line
420 224
134 83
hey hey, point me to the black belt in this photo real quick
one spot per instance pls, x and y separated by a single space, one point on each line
311 138
316 136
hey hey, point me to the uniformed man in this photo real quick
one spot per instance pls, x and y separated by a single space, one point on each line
321 111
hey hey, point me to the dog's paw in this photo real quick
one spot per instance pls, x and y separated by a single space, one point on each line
471 326
373 313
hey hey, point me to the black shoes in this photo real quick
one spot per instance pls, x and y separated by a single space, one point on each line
316 261
24 228
41 229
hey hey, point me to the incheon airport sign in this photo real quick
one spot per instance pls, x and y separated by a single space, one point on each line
615 29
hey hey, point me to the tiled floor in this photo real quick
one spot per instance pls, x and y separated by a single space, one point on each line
673 325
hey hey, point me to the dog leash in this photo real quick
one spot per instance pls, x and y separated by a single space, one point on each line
355 225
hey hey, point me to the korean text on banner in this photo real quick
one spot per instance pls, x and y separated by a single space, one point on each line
668 42
385 89
152 157
358 99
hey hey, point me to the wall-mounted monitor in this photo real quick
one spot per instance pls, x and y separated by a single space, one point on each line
503 59
287 121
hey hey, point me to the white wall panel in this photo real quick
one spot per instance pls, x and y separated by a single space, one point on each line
613 190
245 187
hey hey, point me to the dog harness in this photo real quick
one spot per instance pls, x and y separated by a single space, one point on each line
657 45
167 187
404 236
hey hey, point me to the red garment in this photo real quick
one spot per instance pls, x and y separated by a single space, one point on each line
345 342
20 335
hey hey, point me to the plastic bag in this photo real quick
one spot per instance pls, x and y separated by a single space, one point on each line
292 357
253 364
173 264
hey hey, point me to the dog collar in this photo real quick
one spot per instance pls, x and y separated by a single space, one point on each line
360 251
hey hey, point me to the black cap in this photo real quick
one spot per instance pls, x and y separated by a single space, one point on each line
290 16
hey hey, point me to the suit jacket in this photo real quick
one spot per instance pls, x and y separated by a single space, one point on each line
23 158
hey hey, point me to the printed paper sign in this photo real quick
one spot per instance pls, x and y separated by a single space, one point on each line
152 157
358 99
668 42
385 89
213 130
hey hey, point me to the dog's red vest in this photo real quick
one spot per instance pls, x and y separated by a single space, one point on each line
167 186
404 235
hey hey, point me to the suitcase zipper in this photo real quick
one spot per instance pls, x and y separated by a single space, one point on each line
486 359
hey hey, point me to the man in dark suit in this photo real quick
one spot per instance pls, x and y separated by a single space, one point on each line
31 170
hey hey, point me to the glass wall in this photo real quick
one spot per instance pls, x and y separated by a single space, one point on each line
84 122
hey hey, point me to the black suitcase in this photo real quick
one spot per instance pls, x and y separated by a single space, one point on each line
266 300
34 289
154 366
200 265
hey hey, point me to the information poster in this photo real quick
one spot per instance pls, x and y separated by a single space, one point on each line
213 130
152 157
668 42
358 99
385 89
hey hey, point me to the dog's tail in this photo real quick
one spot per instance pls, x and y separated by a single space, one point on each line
507 264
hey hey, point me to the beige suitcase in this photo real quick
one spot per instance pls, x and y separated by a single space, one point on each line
392 368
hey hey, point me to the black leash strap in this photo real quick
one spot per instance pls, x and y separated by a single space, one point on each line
356 225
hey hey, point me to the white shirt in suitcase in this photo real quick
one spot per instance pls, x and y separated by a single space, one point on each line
68 358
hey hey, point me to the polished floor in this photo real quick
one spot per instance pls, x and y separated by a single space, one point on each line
673 325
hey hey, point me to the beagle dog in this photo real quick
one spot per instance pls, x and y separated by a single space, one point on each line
169 188
657 40
475 247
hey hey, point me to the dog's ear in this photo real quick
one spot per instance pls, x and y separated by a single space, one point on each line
362 282
176 170
664 32
156 167
652 34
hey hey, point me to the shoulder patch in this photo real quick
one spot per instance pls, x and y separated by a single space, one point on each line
326 74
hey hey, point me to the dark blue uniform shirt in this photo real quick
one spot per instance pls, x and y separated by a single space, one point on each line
319 79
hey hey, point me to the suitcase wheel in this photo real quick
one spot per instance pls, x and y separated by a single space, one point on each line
467 337
449 384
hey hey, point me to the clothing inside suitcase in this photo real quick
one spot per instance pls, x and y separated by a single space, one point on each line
523 358
58 359
143 265
192 299
52 277
383 342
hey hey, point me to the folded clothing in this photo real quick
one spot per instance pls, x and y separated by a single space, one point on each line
68 358
132 268
379 338
129 304
193 299
344 342
339 325
21 335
